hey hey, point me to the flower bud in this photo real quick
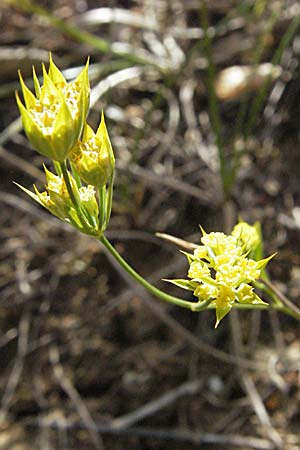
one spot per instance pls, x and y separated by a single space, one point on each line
93 157
53 118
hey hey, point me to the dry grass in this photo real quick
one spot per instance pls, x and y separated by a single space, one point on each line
88 359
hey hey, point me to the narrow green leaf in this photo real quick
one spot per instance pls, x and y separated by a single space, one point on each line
28 192
263 262
182 283
221 312
189 256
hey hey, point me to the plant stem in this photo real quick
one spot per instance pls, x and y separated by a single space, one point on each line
199 306
66 177
148 286
80 35
102 207
212 99
65 174
109 199
259 99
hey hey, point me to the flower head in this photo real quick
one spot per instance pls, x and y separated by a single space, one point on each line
222 271
93 156
53 118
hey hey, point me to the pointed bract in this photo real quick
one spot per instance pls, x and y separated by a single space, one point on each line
221 312
184 284
29 98
36 82
54 119
55 74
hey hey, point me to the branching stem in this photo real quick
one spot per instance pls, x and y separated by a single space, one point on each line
148 286
193 306
67 180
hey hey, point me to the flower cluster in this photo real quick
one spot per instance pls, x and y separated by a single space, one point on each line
221 270
54 120
54 117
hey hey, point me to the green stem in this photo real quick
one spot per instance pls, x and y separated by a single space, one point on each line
281 308
148 286
259 99
212 99
65 174
102 207
109 199
66 177
80 35
199 306
269 293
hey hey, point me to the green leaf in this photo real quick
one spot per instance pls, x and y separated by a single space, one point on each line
28 192
75 175
190 258
63 134
221 312
263 262
88 133
206 280
33 132
258 301
184 284
54 73
49 87
202 230
29 98
37 86
83 77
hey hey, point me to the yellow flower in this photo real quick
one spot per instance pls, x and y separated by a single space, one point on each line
198 270
53 118
200 252
219 243
205 291
93 157
224 301
245 294
250 269
247 235
87 195
229 274
221 270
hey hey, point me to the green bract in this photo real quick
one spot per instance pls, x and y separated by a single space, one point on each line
222 271
93 156
54 117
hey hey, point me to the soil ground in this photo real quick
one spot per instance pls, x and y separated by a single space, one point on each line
89 360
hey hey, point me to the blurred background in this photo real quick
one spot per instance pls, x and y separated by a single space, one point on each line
202 102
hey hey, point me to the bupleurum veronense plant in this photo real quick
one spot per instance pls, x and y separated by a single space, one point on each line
224 270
